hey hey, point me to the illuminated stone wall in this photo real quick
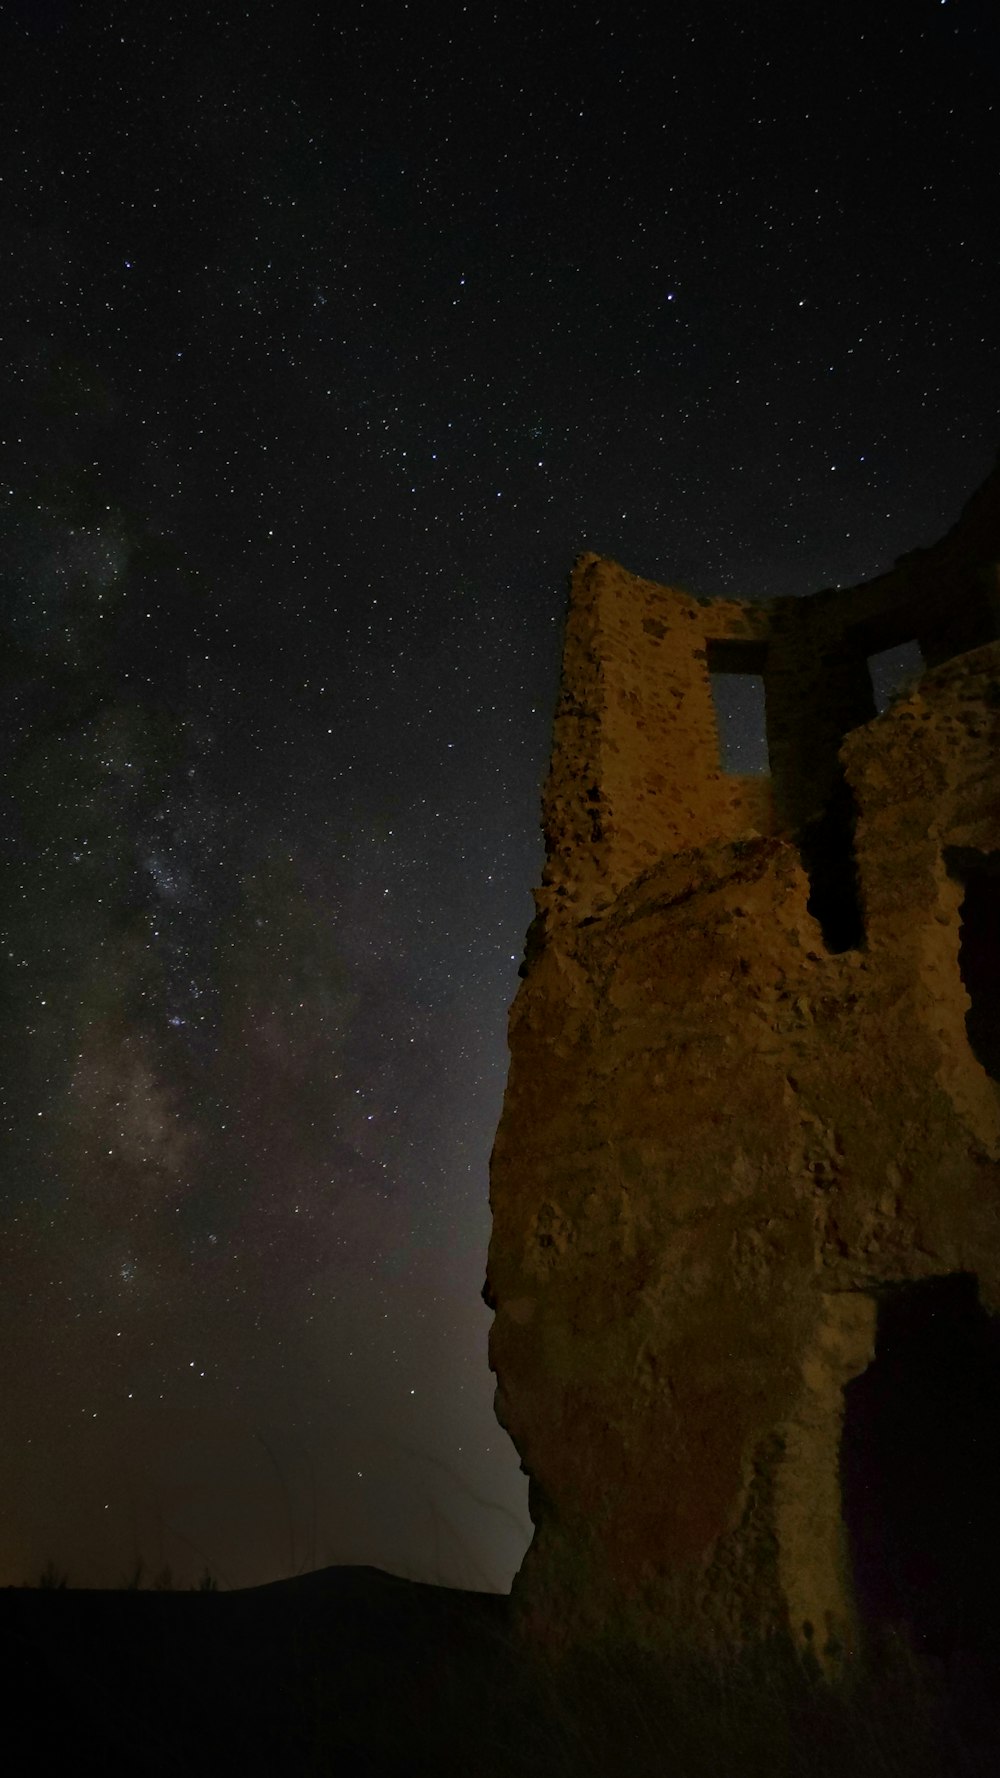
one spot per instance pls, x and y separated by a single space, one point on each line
751 1095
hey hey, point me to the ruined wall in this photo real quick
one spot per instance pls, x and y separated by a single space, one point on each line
635 770
728 1131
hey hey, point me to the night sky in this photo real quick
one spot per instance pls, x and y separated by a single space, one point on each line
331 336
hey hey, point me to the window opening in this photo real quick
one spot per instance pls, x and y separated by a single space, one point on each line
979 950
736 678
893 671
920 1467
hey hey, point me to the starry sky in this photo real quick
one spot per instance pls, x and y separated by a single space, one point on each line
330 336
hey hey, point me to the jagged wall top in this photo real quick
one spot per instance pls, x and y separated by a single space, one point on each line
635 770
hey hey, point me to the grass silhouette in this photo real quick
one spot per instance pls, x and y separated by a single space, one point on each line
344 1670
351 1670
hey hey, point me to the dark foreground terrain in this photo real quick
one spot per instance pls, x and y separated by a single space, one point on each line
353 1671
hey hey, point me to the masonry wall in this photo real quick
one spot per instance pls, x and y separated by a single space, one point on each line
635 767
725 1137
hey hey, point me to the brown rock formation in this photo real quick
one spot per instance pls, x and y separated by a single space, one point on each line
745 1189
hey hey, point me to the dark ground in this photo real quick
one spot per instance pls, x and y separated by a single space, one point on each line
344 1670
354 1672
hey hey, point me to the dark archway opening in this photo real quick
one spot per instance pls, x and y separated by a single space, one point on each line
979 949
920 1470
826 847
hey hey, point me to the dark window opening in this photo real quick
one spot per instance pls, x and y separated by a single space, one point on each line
826 847
736 677
894 670
920 1469
979 949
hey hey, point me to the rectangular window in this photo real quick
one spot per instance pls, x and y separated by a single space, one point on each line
893 671
736 678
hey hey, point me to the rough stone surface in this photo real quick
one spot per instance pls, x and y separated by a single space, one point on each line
751 1095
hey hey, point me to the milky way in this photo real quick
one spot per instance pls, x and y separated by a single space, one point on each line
330 340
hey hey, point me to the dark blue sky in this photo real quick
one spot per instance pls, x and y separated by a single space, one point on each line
331 337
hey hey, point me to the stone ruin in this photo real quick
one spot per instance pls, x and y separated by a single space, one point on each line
745 1259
